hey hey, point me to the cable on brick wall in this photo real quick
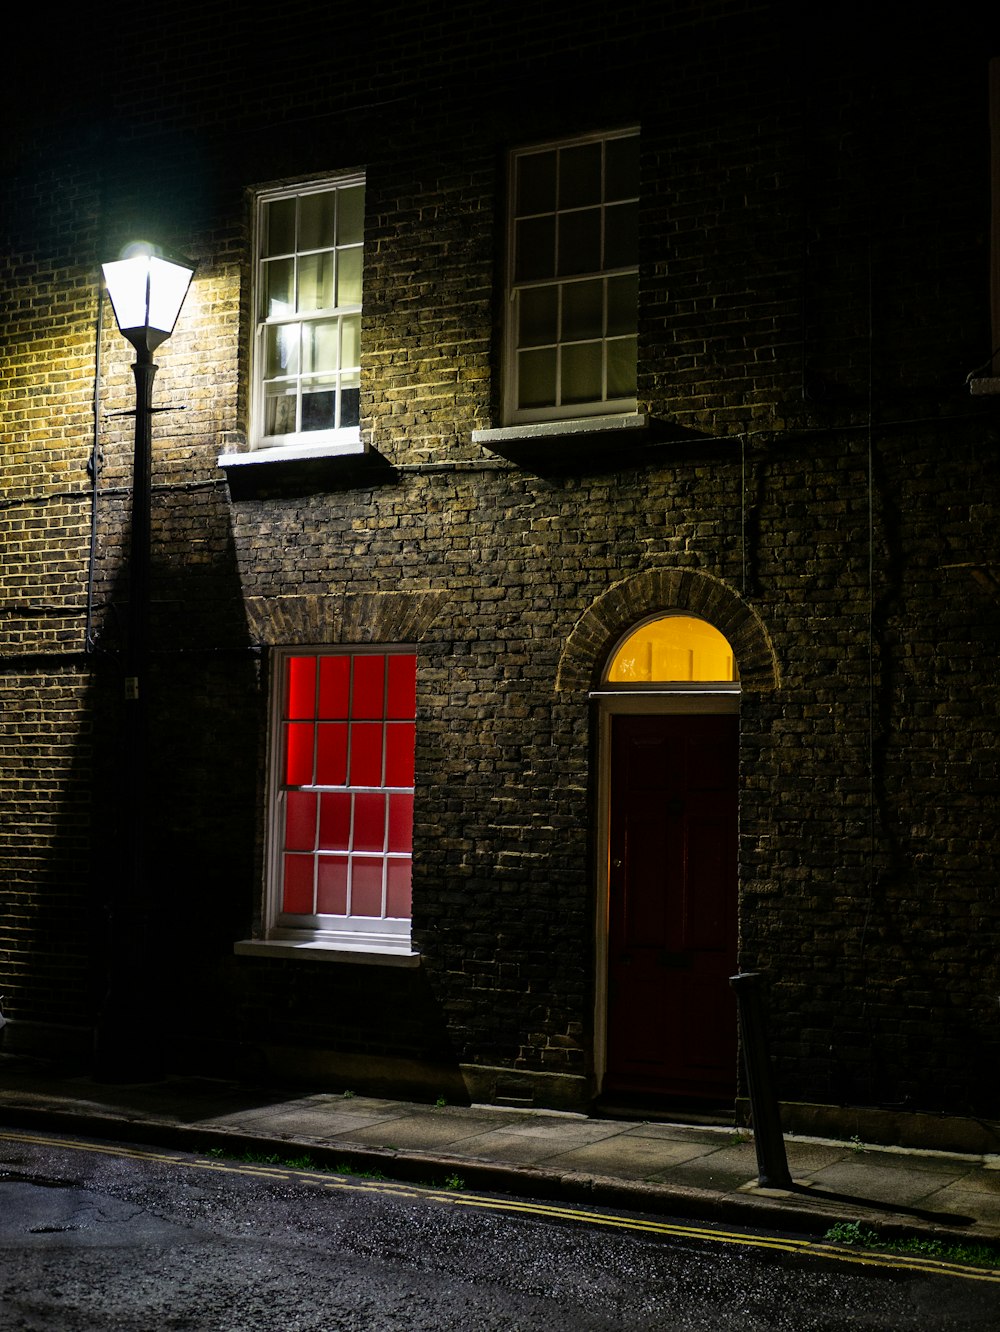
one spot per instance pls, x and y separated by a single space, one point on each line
36 498
94 471
25 612
743 515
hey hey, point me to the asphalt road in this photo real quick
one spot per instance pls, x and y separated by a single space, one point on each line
96 1237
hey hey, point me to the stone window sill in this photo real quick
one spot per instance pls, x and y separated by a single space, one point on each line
382 954
347 445
297 469
541 430
584 440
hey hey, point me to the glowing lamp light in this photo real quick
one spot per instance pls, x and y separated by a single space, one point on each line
147 290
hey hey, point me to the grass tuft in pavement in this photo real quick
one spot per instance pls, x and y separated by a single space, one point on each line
306 1162
862 1236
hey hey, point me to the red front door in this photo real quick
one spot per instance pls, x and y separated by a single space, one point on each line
672 919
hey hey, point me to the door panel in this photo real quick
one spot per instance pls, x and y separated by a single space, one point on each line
672 908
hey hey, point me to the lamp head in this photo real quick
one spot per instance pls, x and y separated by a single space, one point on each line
147 289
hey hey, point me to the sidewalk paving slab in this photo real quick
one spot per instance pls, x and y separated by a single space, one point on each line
702 1172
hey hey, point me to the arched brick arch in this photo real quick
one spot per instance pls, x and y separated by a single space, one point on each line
663 590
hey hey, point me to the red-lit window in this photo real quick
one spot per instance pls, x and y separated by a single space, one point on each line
342 839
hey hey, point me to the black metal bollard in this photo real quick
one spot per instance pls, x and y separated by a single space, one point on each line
772 1163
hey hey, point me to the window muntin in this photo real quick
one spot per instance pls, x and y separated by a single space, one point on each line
571 342
342 780
307 355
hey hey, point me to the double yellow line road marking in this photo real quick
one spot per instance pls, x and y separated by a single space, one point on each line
515 1207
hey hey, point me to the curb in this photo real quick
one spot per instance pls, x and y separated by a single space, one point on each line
771 1210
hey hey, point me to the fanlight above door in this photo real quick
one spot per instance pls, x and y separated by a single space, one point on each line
677 648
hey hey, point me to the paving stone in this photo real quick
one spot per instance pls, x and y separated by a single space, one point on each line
414 1133
906 1185
626 1156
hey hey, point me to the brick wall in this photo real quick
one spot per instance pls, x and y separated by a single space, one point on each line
812 295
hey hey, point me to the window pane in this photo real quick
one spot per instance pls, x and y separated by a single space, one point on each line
369 687
331 754
369 822
398 902
279 227
399 743
536 380
281 350
298 888
276 287
316 220
349 277
582 310
559 318
319 345
331 885
401 823
535 185
279 410
316 281
580 242
319 404
300 821
366 887
675 647
334 685
335 821
580 175
622 368
366 754
535 249
298 753
311 262
300 693
402 694
537 316
350 402
623 299
350 346
351 215
621 236
621 168
335 844
581 373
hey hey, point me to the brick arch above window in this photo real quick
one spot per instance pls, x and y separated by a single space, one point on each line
363 617
659 591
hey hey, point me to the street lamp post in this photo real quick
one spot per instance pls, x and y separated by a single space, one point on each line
147 290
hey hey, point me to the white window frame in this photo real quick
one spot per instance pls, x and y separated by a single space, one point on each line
605 406
382 938
299 443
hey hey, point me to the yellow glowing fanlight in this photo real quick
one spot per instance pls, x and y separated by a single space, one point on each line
674 648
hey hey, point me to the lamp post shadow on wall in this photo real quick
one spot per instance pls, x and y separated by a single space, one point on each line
147 290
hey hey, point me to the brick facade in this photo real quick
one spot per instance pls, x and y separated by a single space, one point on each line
817 482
